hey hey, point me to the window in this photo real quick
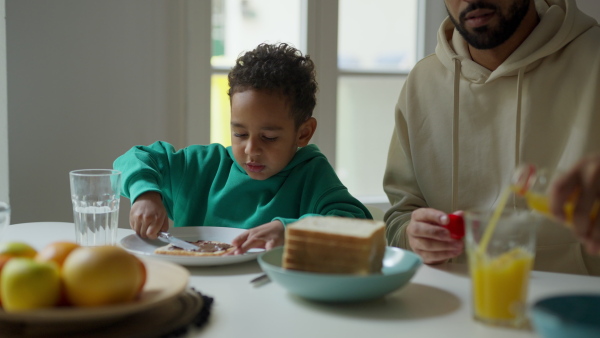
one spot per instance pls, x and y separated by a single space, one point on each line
376 49
238 26
363 52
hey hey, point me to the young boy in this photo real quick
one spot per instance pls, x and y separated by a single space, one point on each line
269 177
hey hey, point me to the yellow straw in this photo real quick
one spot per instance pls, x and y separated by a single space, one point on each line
489 230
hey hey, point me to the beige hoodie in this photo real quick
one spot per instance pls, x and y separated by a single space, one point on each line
461 129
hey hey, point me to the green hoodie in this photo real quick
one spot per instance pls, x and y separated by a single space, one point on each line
204 185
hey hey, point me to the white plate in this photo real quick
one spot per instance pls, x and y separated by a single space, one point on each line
164 282
145 247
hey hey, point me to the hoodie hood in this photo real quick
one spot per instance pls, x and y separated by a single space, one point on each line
560 22
302 155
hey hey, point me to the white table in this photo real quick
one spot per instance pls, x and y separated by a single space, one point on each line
435 304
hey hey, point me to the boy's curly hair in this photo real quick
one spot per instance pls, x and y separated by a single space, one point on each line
278 68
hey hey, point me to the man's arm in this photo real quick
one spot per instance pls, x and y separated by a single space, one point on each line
411 224
400 184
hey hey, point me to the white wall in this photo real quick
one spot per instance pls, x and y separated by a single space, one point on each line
435 12
87 80
3 111
590 7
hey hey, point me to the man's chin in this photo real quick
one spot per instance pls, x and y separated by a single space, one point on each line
481 38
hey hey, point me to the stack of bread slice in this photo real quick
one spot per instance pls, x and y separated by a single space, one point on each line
336 245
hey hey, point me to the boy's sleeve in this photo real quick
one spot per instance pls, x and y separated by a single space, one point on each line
336 201
150 168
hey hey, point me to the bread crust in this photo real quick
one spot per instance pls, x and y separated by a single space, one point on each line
172 250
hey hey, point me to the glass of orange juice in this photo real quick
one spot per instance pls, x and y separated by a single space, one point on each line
501 250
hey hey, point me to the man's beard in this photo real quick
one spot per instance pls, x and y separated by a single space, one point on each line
486 37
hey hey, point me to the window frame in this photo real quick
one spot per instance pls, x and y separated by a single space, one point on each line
320 26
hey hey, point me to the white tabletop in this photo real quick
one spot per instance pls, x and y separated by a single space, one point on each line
436 302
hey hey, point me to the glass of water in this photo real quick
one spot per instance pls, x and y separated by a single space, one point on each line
4 218
95 194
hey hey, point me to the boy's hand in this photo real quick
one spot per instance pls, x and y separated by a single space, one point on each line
148 215
428 239
267 236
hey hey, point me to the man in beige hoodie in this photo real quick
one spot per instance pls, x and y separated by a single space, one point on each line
511 82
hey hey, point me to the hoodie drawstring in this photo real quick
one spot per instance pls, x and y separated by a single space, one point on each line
455 136
518 117
455 120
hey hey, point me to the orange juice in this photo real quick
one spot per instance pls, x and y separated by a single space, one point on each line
534 184
500 284
541 204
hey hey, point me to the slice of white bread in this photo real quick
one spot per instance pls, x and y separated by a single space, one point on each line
335 245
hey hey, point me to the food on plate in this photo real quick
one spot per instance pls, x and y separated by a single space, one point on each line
335 245
56 252
9 250
27 284
144 275
101 275
17 249
65 273
3 260
205 248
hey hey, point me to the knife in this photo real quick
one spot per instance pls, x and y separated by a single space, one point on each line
260 280
180 243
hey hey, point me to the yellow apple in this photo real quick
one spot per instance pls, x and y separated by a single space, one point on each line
101 275
26 284
3 260
17 249
9 250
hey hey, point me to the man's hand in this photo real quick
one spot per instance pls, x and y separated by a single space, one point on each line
583 180
429 239
267 236
148 215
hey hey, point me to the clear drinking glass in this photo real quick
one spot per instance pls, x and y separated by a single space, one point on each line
4 218
95 194
501 251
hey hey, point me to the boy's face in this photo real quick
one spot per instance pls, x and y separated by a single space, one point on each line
263 135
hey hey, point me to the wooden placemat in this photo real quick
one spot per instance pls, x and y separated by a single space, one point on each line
172 319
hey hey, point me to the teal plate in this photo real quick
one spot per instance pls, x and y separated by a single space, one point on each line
399 266
570 316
